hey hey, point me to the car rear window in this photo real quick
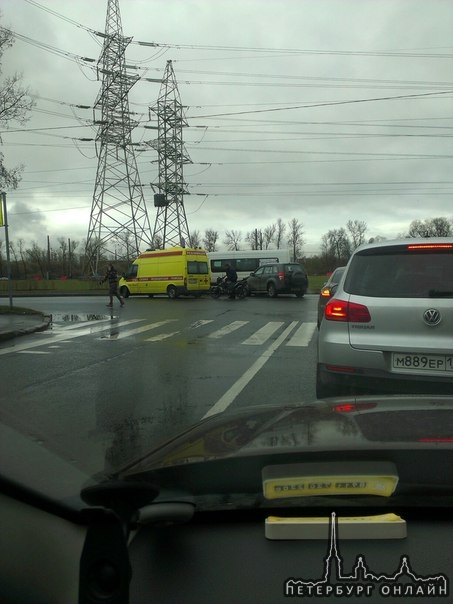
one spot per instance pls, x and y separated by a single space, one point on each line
401 273
294 268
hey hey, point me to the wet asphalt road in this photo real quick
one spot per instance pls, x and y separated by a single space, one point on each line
103 386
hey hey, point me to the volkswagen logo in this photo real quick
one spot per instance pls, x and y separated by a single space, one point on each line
431 316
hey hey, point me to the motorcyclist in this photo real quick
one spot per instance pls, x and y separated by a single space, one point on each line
231 278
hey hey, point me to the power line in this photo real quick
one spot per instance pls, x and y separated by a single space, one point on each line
328 104
389 53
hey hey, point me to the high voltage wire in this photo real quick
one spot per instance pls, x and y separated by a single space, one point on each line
327 104
252 49
367 83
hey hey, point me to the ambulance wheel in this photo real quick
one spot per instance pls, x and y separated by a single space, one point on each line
171 292
124 292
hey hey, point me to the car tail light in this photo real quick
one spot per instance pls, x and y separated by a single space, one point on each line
349 312
439 439
430 246
281 276
353 407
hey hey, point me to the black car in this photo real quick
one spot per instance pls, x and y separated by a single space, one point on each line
327 291
279 278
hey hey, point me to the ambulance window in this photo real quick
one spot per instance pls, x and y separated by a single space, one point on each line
132 270
197 268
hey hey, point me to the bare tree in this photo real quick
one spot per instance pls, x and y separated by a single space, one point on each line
195 239
15 106
336 246
62 254
269 235
431 227
157 242
255 239
357 230
295 238
233 239
210 240
38 258
280 228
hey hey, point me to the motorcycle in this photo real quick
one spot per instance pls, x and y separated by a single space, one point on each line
223 288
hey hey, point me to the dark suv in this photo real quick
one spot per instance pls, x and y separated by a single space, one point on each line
278 278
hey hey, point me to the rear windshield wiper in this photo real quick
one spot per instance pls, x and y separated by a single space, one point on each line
439 293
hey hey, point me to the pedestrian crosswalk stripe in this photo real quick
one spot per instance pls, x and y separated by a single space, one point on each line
61 336
200 323
227 329
263 334
117 334
57 327
303 335
162 336
113 330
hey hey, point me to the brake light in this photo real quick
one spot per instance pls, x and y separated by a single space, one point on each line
349 312
439 439
353 407
281 276
430 246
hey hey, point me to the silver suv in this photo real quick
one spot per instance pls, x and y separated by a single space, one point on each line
389 325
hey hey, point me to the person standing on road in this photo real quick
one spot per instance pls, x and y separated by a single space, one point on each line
231 279
111 276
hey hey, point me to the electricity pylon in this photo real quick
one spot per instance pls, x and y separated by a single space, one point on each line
119 223
170 227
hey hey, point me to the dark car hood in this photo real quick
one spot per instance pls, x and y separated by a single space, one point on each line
373 423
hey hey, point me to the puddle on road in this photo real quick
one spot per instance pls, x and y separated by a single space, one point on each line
57 317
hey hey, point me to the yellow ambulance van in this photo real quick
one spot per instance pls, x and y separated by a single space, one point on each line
176 271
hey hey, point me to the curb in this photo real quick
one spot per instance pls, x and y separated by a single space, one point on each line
13 333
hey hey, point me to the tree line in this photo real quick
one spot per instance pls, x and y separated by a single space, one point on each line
337 245
65 258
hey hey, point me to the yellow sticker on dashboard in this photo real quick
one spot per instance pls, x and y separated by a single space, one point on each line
329 485
283 484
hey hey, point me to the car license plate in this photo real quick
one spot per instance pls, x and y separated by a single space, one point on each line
405 361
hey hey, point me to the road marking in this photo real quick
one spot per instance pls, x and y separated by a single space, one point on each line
162 336
117 334
63 337
263 334
200 323
303 335
227 329
59 327
229 396
32 352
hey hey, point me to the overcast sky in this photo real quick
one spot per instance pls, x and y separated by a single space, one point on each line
321 110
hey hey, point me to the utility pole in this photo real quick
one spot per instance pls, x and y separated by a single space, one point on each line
170 227
4 222
118 210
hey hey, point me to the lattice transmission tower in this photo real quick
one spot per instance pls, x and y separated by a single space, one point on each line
171 227
119 224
